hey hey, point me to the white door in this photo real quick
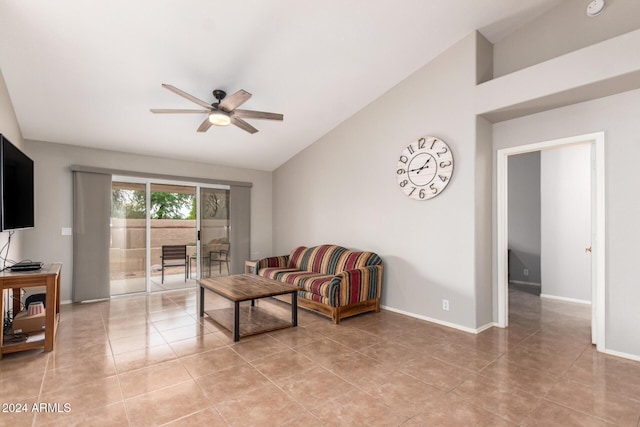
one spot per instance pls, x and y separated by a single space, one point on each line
565 199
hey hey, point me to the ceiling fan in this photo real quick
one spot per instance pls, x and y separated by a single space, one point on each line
223 112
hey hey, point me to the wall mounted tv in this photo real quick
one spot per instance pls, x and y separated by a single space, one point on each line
16 184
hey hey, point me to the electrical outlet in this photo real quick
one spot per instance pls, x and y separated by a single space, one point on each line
445 304
526 271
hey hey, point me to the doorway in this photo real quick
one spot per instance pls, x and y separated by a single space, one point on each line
596 140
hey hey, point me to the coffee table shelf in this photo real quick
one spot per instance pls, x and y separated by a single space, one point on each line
247 287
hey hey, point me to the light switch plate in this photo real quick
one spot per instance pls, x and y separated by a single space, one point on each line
67 231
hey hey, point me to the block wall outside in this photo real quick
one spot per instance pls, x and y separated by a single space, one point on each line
128 240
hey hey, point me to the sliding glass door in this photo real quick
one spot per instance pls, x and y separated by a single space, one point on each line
215 246
155 244
128 246
172 212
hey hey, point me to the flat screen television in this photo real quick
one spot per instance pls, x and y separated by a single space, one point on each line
17 210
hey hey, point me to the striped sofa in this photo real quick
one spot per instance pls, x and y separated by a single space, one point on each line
334 281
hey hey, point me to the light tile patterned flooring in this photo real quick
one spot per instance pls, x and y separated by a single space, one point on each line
149 360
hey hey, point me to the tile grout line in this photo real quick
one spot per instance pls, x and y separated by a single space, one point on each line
126 411
211 404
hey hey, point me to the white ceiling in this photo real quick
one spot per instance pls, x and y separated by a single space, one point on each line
86 72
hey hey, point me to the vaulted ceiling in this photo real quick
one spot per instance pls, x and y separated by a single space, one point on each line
86 73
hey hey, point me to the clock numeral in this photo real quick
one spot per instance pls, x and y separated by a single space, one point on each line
443 178
421 143
412 190
421 193
445 164
401 171
444 150
433 143
434 190
410 148
403 183
404 159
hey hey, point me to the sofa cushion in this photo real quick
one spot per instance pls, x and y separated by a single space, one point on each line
319 285
330 259
310 281
303 279
350 260
321 259
275 272
295 257
275 261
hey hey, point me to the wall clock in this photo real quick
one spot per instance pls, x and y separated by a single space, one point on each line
425 168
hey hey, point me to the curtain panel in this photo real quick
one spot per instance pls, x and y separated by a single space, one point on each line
91 236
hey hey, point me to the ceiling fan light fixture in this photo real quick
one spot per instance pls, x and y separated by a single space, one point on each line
219 118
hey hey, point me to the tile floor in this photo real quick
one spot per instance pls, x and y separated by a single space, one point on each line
149 360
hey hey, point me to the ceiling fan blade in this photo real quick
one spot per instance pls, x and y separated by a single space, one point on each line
186 95
232 102
205 125
177 111
243 125
260 115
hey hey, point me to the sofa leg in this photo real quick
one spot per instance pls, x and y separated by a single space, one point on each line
336 315
378 305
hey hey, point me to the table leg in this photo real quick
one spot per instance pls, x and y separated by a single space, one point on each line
16 300
236 321
201 301
2 311
50 314
58 279
294 308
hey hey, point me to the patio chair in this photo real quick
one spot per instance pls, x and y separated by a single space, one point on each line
220 256
175 256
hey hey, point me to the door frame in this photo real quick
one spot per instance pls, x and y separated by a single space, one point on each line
598 284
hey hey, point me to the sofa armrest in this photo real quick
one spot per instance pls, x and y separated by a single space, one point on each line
274 262
357 285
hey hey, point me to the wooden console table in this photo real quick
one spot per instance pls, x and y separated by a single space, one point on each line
49 278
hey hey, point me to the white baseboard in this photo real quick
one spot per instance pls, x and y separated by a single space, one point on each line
487 326
520 282
577 301
441 322
623 355
67 301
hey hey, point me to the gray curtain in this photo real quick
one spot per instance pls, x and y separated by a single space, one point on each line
240 222
91 234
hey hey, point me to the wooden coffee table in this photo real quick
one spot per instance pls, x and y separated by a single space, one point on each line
248 287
